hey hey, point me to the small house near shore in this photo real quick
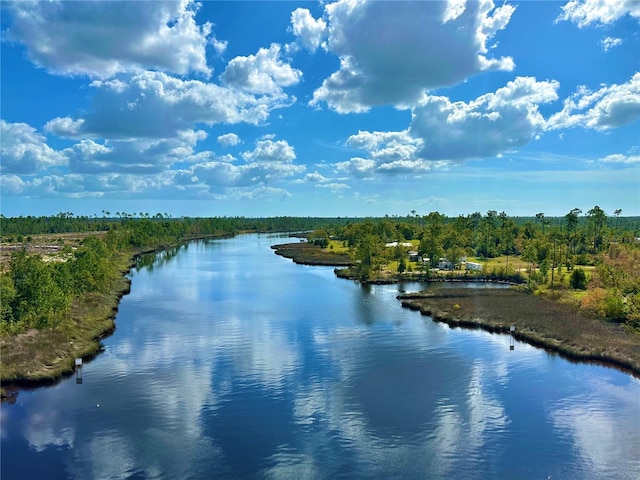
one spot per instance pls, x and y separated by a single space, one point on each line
444 264
395 244
474 266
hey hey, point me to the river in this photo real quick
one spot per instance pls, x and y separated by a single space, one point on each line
231 362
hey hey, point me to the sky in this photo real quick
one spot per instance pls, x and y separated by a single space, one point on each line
348 108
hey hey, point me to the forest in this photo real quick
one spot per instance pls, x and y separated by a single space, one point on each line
593 257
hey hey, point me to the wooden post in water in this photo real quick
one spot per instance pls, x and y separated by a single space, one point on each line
79 371
512 331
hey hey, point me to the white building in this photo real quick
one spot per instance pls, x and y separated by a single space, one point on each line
474 266
395 244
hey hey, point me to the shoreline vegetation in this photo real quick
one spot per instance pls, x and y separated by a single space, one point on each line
41 357
542 321
62 277
305 253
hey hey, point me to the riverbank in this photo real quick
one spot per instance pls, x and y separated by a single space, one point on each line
387 277
44 357
543 323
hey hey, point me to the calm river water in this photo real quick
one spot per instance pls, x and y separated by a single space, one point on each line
231 362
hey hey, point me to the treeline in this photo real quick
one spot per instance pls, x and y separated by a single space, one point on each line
18 228
550 248
36 293
569 240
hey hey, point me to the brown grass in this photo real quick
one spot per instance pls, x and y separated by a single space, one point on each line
549 324
309 254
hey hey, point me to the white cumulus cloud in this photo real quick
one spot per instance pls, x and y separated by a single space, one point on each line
270 162
485 127
610 42
310 31
228 139
386 147
314 177
154 104
101 39
587 12
221 174
357 167
141 156
392 52
609 107
269 151
442 131
262 73
25 151
620 158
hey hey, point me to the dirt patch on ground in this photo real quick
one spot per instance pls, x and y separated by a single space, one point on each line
48 246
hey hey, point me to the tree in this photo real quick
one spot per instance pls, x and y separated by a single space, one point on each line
617 213
38 300
430 246
597 219
402 265
368 254
571 219
320 237
7 295
530 254
578 279
489 238
540 216
545 222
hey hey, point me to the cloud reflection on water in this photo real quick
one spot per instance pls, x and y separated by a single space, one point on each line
288 384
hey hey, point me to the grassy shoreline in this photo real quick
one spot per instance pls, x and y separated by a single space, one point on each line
539 322
44 357
543 322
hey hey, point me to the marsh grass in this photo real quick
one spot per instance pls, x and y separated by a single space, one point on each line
309 254
550 324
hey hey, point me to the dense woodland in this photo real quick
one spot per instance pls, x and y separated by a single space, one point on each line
558 250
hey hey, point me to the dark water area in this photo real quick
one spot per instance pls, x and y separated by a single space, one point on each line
229 361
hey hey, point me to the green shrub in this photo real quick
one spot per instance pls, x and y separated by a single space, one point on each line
614 308
578 279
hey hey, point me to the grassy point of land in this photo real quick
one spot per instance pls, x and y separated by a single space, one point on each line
552 318
553 325
308 254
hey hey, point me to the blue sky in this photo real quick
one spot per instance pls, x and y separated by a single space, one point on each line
348 108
